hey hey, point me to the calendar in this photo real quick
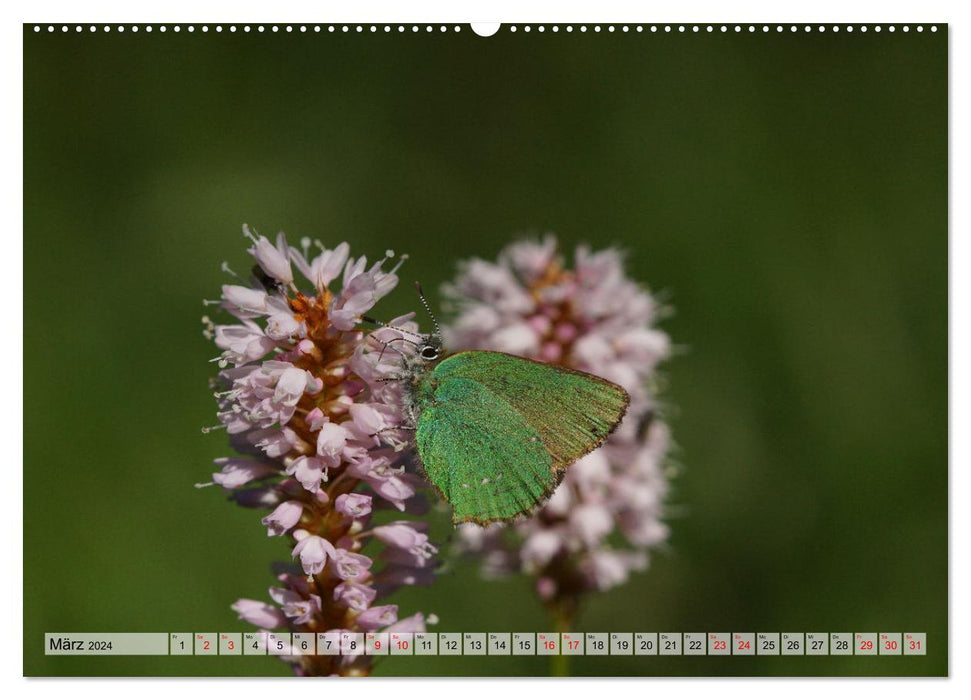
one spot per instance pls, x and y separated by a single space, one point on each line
700 644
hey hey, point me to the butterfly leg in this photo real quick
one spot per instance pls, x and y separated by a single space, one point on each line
413 427
394 427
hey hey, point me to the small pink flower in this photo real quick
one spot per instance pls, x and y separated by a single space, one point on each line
237 472
592 473
242 343
591 522
539 548
606 569
258 613
530 259
274 442
282 327
386 481
643 531
405 535
273 259
313 552
244 300
551 352
309 471
377 617
331 441
316 419
545 588
516 339
361 292
286 515
415 623
408 558
323 269
353 505
356 596
290 386
350 566
298 608
366 421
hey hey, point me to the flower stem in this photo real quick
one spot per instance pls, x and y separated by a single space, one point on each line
563 612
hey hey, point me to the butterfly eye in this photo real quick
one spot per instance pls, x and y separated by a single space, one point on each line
429 352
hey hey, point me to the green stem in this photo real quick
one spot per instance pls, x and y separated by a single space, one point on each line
563 612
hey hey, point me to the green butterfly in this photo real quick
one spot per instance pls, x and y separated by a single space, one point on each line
496 432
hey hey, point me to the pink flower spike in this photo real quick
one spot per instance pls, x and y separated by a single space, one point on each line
299 392
592 318
378 617
313 552
353 505
286 515
258 613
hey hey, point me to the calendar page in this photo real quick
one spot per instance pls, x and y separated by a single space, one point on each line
514 349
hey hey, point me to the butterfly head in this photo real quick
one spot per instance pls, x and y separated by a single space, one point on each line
427 347
431 351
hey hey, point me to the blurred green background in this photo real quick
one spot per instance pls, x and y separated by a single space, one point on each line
788 191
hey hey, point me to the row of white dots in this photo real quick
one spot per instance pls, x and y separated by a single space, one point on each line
245 28
681 28
695 28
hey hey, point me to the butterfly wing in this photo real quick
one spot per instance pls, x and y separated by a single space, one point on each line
572 412
483 456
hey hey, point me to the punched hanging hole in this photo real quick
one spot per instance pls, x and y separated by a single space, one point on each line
485 28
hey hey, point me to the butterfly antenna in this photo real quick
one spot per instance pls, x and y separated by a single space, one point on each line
376 322
386 345
428 310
